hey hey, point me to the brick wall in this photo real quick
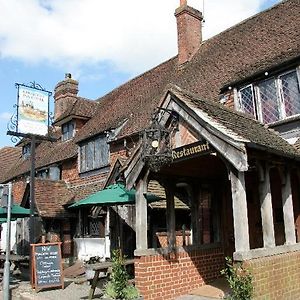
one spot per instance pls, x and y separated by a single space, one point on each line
166 277
230 99
276 277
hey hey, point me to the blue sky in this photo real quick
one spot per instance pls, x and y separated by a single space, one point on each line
102 43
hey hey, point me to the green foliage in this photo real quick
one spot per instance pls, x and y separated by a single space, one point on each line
118 287
239 279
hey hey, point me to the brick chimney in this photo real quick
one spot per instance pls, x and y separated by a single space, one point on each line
65 94
189 30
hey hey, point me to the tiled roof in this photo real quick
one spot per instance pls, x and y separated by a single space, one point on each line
51 204
258 43
157 189
8 158
82 108
238 124
47 153
82 191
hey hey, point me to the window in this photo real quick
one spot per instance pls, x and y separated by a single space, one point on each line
52 173
94 154
68 131
247 100
26 151
273 99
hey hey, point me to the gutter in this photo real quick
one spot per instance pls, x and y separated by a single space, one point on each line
276 152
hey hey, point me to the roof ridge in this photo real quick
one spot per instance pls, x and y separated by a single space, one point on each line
242 22
136 78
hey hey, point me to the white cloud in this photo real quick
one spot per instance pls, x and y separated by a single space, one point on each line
132 35
5 116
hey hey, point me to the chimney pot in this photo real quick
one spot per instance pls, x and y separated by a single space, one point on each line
183 2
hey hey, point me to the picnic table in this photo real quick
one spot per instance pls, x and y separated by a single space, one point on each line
101 267
17 259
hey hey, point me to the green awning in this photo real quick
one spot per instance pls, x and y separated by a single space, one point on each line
16 212
4 220
112 195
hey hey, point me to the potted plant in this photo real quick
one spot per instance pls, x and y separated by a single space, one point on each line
118 286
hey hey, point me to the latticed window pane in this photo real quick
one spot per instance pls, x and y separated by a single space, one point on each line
269 101
247 100
94 229
290 93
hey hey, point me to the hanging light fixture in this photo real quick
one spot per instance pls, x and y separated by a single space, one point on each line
157 150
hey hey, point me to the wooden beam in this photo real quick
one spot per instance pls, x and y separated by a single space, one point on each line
288 210
266 209
240 214
171 222
233 151
141 213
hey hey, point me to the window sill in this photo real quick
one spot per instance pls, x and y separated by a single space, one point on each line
97 171
284 121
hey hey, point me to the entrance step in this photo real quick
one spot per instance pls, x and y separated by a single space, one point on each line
218 289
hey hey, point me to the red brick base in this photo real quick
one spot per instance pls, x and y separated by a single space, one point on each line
166 277
276 277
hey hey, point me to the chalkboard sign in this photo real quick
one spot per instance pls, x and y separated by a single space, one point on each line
46 266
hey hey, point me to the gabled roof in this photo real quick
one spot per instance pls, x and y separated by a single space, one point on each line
82 108
257 44
230 133
8 158
155 188
236 125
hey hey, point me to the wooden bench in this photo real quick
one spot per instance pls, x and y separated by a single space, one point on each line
101 267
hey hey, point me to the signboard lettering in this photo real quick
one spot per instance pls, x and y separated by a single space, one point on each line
47 266
33 110
188 151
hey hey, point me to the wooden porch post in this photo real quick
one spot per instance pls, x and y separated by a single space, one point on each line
266 209
170 216
240 215
288 210
141 214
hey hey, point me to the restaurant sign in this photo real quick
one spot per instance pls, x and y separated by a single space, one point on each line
191 150
33 110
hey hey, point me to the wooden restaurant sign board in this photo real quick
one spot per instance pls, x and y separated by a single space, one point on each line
191 150
46 266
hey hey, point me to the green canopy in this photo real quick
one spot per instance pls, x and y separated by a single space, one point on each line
16 212
113 194
4 220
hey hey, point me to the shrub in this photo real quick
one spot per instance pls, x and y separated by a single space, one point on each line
239 279
118 286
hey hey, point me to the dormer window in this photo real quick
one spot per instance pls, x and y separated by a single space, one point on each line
68 130
273 99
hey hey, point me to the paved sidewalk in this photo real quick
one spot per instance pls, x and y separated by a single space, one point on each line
23 291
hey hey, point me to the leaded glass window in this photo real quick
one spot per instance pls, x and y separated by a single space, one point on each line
247 100
273 99
290 93
268 101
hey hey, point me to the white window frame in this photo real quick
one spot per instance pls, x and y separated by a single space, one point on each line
257 97
253 102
